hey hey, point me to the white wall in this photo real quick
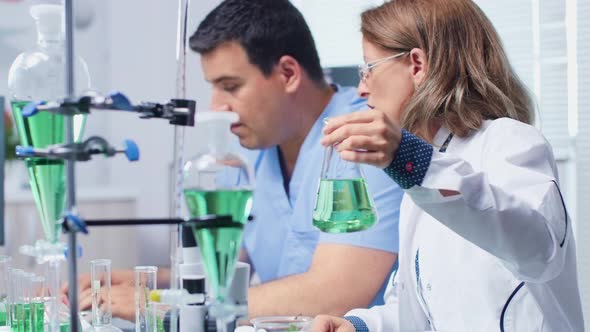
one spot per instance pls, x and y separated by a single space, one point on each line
141 48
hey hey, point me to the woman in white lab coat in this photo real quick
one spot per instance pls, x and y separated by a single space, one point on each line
485 240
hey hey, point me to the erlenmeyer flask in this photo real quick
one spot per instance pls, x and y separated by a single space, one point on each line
343 203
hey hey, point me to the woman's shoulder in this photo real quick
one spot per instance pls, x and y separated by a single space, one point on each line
507 128
508 134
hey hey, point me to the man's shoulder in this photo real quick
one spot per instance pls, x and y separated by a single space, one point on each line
252 156
348 100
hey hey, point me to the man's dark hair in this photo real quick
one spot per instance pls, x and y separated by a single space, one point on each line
266 29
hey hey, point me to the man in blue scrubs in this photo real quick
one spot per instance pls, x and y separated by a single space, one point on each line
261 60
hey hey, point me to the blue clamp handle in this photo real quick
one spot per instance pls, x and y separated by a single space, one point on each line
79 251
25 151
120 101
78 222
131 150
31 109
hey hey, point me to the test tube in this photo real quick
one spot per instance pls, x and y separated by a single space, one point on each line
145 282
38 292
100 274
26 297
14 293
4 287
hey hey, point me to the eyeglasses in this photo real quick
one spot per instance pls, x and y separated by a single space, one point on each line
365 68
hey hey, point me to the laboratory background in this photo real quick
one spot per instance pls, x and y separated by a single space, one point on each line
130 46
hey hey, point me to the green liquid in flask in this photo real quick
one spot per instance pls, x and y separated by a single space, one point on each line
47 177
343 206
3 317
235 203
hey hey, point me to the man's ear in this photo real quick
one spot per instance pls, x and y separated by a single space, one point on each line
419 65
290 73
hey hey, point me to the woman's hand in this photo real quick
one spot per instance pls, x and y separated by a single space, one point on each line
368 137
331 324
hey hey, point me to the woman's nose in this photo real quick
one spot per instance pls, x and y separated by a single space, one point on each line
362 89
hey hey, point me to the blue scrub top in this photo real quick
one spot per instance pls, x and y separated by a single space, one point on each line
281 240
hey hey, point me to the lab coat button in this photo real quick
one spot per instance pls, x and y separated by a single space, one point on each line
409 167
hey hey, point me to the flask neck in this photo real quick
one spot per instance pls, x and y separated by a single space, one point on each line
49 44
49 21
218 138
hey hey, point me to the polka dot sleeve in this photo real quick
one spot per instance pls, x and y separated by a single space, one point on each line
411 161
358 323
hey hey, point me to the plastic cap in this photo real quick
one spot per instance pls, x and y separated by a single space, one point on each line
79 252
30 109
25 151
120 101
216 116
77 223
131 150
155 295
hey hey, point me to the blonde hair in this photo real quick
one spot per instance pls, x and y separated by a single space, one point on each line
468 77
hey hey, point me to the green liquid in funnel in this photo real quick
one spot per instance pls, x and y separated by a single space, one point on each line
235 203
219 241
343 206
47 177
219 247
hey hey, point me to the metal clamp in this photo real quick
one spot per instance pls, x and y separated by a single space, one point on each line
82 151
72 223
178 111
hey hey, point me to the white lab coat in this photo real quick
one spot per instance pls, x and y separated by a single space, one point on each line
499 254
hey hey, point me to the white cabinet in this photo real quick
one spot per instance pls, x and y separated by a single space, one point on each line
118 243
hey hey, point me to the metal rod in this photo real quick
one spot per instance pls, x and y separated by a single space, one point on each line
175 232
70 165
133 222
2 159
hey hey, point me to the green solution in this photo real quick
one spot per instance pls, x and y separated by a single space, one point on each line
47 177
236 203
37 316
29 317
219 243
4 311
343 206
64 326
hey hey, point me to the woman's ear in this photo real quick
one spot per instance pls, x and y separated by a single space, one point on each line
419 65
290 73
